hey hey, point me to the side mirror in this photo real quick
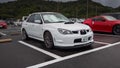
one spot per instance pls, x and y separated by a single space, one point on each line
38 21
93 19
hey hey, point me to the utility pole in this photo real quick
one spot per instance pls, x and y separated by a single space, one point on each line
58 5
76 13
87 10
96 10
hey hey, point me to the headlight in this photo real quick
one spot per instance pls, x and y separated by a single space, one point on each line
64 31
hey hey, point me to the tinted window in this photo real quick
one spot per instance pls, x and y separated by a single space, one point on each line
31 18
37 17
98 19
110 18
34 17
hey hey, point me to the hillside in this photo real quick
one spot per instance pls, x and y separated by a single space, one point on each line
19 8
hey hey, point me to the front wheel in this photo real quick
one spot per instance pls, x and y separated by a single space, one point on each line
116 30
24 35
48 40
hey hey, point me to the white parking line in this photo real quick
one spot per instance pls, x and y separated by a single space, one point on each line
2 34
108 35
101 42
72 56
40 50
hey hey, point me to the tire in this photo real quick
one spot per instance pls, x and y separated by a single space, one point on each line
90 46
116 30
24 35
48 40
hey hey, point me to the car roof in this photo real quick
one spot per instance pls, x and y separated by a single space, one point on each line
43 12
102 16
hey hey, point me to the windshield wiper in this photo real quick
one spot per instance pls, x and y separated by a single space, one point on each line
61 21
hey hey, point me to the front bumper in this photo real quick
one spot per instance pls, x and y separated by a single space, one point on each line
76 46
75 40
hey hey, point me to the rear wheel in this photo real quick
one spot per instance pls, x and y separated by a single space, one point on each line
24 35
116 30
48 40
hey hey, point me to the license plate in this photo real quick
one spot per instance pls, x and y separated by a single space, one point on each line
84 39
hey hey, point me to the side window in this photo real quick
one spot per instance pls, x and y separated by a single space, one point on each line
93 19
98 19
37 17
31 18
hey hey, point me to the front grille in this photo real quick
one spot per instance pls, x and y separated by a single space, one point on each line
78 40
83 32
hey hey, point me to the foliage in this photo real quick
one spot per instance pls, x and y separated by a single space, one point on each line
19 8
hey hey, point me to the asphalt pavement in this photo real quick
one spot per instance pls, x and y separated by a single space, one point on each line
32 53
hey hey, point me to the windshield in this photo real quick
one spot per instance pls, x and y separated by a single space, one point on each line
54 18
110 18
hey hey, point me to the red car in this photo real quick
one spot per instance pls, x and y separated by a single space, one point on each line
104 24
3 24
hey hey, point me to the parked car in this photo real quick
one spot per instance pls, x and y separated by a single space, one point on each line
56 30
3 24
10 21
77 20
104 24
18 22
116 15
24 18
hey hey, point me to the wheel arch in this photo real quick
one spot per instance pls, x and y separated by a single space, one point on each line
51 36
45 32
22 29
49 32
114 26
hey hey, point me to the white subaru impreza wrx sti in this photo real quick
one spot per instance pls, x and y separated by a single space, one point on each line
56 30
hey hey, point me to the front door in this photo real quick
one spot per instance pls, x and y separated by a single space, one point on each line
100 24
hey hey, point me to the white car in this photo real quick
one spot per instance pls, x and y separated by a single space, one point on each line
56 30
18 22
77 20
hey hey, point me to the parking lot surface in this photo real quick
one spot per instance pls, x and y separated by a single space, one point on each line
106 58
32 53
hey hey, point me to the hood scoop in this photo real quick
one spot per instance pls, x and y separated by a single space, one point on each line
69 22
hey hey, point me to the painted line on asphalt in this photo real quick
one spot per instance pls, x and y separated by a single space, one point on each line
72 56
40 50
101 42
108 35
3 33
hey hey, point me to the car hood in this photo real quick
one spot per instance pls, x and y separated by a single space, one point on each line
75 26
